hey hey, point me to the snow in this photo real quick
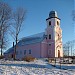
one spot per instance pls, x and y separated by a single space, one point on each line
38 67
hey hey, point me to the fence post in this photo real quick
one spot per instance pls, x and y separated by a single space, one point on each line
55 61
60 62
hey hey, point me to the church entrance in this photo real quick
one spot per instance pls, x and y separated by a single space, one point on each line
58 53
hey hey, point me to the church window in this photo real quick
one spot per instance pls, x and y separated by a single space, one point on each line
49 23
46 37
49 36
58 37
29 51
57 23
49 44
24 52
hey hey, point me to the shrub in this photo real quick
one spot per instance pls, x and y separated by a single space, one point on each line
28 58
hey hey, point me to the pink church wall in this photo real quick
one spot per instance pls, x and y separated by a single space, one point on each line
35 50
44 50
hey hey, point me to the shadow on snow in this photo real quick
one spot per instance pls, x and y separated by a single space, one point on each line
29 65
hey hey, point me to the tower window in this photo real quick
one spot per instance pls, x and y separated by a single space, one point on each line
58 37
49 44
49 36
46 37
49 23
57 23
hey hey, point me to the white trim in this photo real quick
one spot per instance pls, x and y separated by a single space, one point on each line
48 43
45 42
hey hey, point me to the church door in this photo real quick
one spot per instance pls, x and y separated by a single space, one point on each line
58 53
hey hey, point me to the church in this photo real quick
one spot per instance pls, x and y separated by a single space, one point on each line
41 45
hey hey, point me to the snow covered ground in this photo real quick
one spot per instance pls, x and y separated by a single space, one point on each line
38 67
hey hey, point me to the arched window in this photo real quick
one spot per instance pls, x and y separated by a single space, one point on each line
58 36
49 36
57 23
49 23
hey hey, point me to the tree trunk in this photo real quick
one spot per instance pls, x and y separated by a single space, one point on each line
15 49
1 50
1 47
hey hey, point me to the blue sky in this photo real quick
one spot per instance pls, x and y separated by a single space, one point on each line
38 12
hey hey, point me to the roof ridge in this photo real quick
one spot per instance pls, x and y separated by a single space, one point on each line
31 35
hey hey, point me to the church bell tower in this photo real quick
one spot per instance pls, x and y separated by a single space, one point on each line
54 35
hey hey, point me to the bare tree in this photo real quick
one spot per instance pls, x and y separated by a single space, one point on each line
5 15
73 18
65 51
73 15
18 18
69 47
